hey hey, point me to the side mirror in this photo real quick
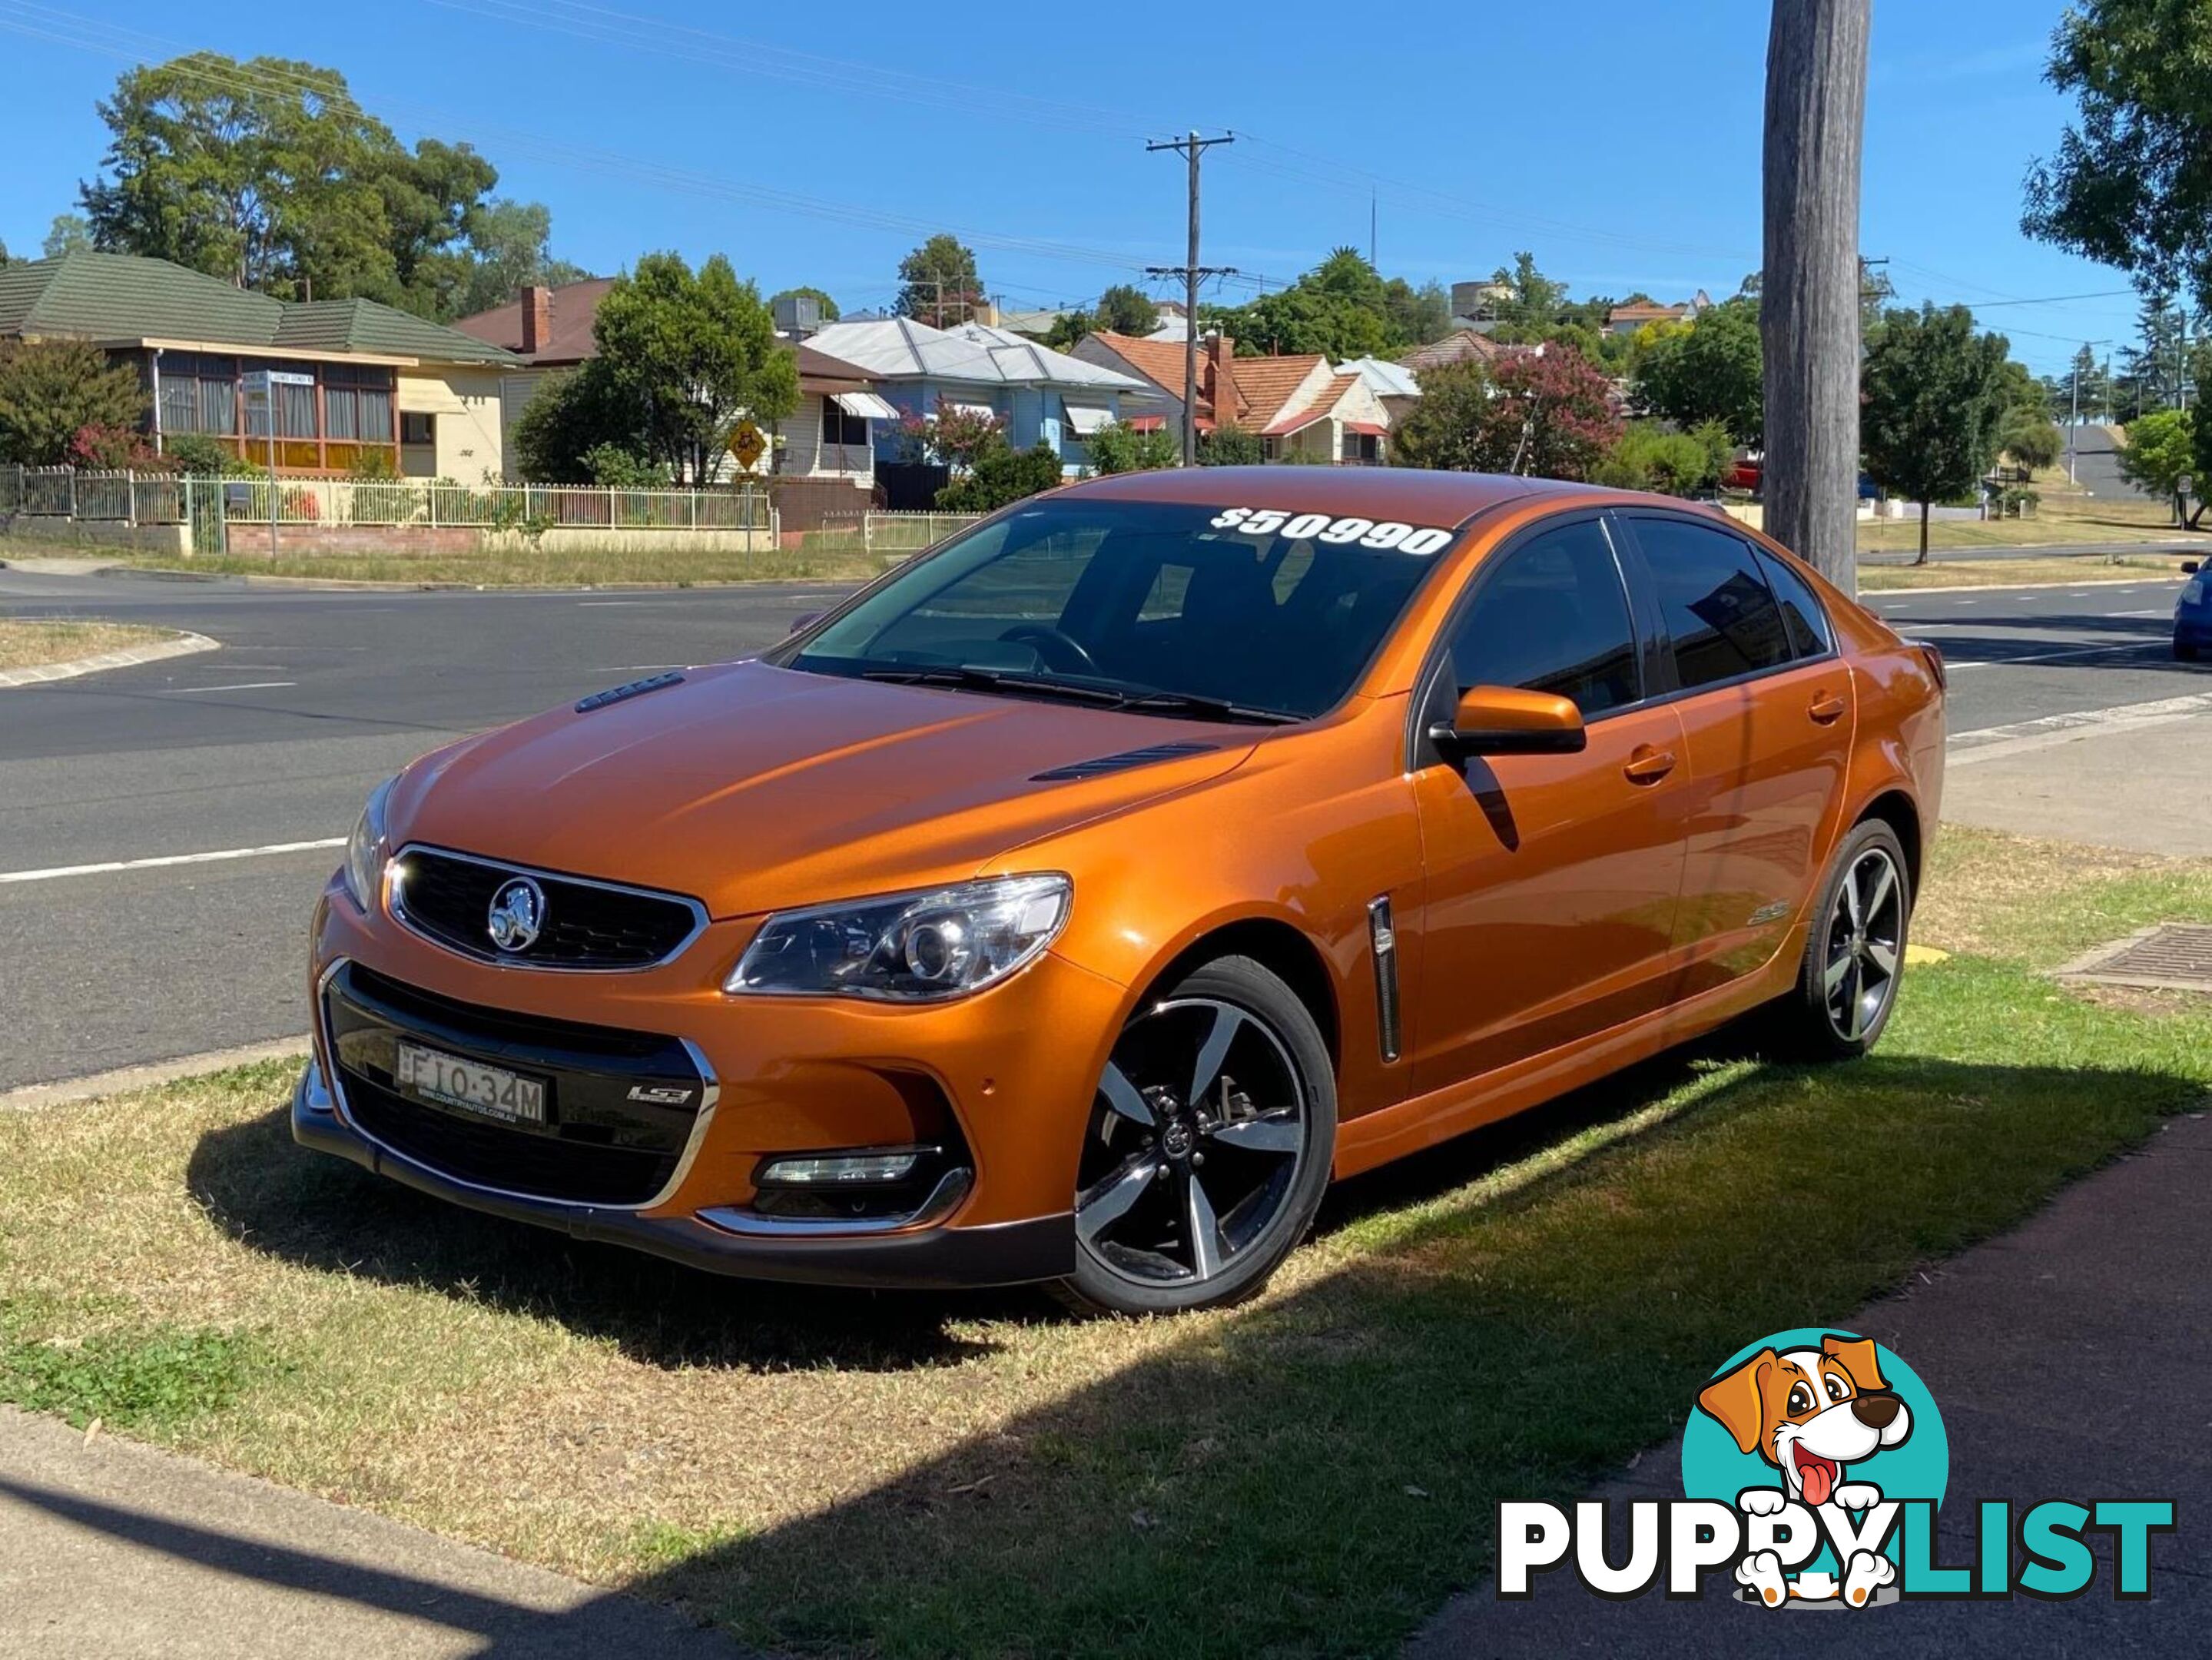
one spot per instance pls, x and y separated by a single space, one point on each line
2191 566
801 624
1503 720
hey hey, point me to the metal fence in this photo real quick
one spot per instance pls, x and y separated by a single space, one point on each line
887 532
169 499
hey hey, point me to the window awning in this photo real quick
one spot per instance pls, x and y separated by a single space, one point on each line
1086 420
1298 422
866 405
1146 424
1367 429
980 411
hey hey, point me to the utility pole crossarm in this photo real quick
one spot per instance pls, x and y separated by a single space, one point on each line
1191 147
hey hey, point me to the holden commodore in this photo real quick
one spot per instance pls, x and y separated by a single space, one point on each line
1079 900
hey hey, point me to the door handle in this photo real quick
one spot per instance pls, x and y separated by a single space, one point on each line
1828 707
1648 766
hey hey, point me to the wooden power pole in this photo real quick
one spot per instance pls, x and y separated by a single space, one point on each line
1809 298
1192 147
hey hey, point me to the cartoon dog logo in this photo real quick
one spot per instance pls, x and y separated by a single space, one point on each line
1811 1413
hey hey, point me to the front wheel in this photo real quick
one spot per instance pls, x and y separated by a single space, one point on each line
2185 651
1208 1146
1847 984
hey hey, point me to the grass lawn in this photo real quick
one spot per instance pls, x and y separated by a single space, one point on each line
2065 515
27 643
2080 571
1511 1317
514 567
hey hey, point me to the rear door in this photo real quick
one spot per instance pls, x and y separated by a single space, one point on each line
1550 880
1767 710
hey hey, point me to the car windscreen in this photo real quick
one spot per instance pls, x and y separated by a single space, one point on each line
1258 610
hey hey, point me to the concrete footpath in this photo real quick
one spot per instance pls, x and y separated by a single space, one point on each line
2068 1361
2138 777
108 1549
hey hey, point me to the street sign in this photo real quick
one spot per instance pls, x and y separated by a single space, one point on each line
259 380
747 444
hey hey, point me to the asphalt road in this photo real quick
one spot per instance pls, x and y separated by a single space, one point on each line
2097 466
316 694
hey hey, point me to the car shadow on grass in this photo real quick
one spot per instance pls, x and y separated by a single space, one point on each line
1316 1473
253 1182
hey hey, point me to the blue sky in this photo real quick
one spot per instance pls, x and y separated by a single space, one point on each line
1618 141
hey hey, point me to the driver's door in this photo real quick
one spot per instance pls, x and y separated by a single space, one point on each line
1551 880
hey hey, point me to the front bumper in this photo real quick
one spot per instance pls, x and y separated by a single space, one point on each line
1006 1253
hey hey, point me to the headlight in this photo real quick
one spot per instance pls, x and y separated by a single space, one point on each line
2192 591
906 947
365 848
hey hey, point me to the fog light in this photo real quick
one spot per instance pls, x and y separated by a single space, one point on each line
841 1170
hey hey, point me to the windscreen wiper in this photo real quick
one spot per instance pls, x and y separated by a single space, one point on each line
967 680
1205 708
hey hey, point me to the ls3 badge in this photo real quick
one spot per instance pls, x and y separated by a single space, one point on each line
1812 1466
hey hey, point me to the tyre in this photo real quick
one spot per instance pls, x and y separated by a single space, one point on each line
1847 984
1208 1146
2185 651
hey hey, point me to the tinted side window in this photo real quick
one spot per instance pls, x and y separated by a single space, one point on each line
1553 617
1802 614
1715 603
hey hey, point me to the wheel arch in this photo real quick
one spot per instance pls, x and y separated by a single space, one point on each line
1896 809
1283 951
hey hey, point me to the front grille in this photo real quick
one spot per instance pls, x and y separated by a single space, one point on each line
600 1144
586 925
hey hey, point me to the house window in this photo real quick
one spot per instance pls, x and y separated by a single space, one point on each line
839 428
418 428
199 393
357 403
1362 447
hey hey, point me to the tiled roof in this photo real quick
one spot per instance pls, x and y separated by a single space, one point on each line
1160 362
1267 383
1313 409
114 297
1458 348
575 305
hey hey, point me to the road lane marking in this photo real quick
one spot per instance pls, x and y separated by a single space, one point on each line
238 685
109 866
2055 656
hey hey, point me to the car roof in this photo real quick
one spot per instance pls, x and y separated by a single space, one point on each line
1411 495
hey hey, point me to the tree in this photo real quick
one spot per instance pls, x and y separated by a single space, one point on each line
1654 457
1710 369
6 259
2086 388
1342 308
1001 474
1231 445
1527 302
1809 310
2160 448
807 291
1416 316
1125 308
573 418
2030 438
1545 415
1935 396
938 284
2126 188
270 174
52 390
70 232
954 437
691 355
1118 448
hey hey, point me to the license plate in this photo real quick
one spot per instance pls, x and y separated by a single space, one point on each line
470 1085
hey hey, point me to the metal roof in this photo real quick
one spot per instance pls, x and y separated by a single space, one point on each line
1384 379
899 349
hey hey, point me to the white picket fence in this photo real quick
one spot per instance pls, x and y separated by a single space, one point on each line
128 498
890 533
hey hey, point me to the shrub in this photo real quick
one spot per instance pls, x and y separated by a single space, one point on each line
1231 445
1117 449
51 389
115 449
1001 474
198 456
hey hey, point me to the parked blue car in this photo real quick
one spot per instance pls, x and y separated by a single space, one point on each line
2192 616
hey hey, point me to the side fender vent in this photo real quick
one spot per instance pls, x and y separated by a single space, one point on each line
1122 763
622 693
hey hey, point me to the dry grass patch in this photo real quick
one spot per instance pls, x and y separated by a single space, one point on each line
2081 571
27 643
523 566
1511 1316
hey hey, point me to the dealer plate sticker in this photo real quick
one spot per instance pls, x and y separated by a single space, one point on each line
1377 536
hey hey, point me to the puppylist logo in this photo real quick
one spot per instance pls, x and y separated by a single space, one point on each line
1813 1464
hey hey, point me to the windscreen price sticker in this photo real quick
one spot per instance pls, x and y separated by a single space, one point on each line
1385 537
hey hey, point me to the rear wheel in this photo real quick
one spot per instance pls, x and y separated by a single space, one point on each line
1847 984
1208 1146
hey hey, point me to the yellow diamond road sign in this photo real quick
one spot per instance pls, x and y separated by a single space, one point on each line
747 445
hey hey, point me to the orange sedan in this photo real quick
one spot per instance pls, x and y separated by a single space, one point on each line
1076 901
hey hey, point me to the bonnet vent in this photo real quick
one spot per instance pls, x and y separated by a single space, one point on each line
1122 763
599 700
